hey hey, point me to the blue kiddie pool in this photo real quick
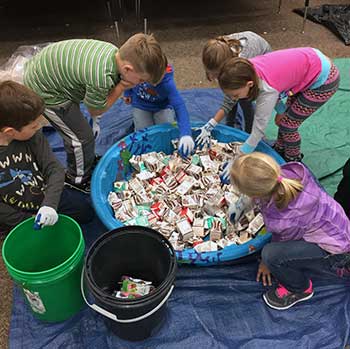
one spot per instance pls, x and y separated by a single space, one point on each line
114 165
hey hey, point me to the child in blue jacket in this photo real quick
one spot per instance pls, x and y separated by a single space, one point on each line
161 103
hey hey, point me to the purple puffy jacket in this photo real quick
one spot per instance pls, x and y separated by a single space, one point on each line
314 216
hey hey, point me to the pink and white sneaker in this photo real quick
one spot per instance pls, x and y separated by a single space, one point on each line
280 298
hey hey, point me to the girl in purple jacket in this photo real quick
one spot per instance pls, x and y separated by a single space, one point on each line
310 230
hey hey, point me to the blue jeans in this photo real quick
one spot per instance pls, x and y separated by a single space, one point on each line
290 262
143 118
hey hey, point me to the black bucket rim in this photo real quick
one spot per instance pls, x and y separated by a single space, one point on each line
164 285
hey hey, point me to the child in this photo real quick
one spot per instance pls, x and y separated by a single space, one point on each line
343 191
31 179
309 228
215 53
95 73
305 75
159 103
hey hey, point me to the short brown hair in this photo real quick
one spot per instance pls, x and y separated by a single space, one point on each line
217 51
19 105
235 73
145 54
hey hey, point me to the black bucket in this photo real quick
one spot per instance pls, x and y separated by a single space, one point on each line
138 252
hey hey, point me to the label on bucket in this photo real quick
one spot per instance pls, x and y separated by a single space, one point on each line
35 301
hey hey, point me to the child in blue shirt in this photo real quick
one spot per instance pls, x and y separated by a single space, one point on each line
161 103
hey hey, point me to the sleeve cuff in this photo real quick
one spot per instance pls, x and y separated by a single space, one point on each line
127 93
186 132
246 148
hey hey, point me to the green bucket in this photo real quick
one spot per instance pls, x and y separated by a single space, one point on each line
47 265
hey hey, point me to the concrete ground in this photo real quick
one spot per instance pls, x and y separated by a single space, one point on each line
182 27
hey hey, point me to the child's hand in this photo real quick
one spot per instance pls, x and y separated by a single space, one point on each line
127 100
278 119
204 137
236 209
95 125
186 146
225 173
264 273
45 216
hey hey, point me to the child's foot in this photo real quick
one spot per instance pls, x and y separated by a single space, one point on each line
280 298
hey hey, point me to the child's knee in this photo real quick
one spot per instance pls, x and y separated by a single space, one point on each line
85 213
270 254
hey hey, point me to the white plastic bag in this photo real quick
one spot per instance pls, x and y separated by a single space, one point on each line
13 69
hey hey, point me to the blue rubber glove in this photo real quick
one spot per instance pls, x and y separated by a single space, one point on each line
45 216
95 125
225 173
204 137
186 146
235 210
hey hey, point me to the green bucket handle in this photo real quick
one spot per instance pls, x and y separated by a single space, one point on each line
113 317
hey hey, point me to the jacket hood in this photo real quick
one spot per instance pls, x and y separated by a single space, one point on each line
306 201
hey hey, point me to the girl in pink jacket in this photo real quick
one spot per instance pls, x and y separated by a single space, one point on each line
305 76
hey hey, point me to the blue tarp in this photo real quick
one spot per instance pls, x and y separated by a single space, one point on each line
215 307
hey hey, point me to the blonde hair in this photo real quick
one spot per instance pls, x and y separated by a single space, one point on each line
258 175
217 51
146 56
235 74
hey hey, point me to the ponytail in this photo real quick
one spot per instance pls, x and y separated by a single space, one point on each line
286 190
217 51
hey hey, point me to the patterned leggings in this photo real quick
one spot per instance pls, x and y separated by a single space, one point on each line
299 108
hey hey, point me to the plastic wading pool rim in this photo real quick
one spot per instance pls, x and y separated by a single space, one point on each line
187 256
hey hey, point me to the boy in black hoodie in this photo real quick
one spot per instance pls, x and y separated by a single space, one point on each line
31 178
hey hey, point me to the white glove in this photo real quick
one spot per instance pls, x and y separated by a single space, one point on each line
204 136
95 125
225 173
186 146
46 216
235 210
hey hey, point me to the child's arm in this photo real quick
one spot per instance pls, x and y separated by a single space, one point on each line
51 169
226 107
186 144
265 104
181 112
98 102
204 136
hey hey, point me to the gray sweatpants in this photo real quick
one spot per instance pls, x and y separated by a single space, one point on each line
78 139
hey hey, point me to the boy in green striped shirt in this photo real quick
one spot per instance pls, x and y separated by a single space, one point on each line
95 73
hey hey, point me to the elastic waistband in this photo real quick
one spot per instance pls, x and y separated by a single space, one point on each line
326 67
